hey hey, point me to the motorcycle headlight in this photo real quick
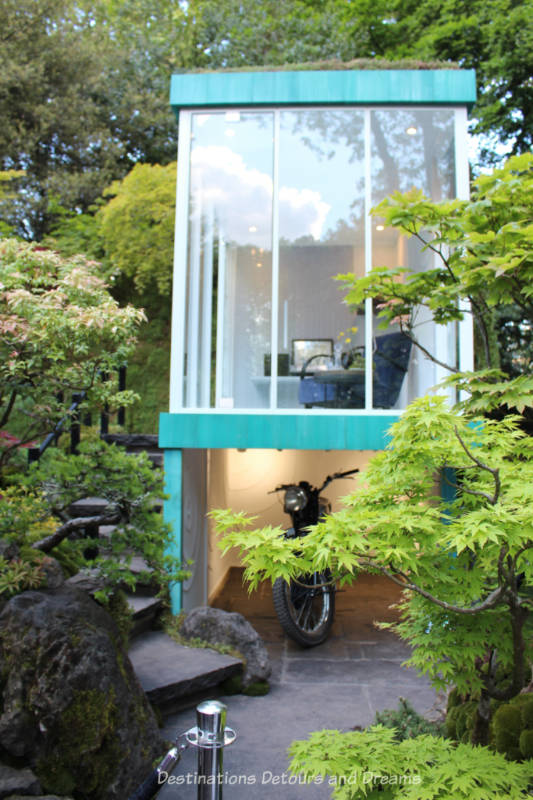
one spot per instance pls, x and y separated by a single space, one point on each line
295 499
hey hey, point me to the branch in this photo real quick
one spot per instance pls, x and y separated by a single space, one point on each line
491 601
9 408
48 543
523 549
495 472
503 553
527 308
472 300
426 352
437 252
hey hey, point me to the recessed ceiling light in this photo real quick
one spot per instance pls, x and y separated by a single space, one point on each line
259 264
380 227
411 130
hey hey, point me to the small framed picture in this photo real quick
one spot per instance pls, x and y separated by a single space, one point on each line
304 349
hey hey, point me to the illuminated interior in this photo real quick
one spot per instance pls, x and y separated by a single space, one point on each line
278 204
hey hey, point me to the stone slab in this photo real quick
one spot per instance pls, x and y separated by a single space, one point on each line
360 672
88 506
170 672
18 781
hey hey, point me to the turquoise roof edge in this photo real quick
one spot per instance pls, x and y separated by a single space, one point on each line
285 431
323 87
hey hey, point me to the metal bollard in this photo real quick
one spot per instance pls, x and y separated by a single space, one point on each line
210 736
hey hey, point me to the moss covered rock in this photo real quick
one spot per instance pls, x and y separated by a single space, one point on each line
460 717
512 728
73 709
219 627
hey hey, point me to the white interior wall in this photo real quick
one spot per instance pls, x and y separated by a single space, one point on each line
242 481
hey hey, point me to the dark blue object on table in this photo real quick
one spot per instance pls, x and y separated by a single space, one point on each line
346 388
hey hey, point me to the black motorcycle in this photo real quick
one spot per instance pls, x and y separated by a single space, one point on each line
306 606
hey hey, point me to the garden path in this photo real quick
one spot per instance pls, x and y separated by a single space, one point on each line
340 684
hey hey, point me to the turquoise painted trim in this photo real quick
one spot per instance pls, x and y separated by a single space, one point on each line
283 431
172 513
323 87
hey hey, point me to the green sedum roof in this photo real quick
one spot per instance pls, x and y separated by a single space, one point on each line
323 87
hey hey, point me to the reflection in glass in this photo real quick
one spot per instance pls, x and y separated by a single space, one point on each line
323 188
321 200
230 258
410 148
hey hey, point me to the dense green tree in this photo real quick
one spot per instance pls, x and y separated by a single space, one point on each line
137 226
495 37
49 81
273 32
83 97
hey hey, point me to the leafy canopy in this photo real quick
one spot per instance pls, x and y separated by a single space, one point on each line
61 332
459 560
137 225
374 765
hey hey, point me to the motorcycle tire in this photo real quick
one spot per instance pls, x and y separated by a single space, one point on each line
305 614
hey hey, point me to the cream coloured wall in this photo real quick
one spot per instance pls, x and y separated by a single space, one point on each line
242 481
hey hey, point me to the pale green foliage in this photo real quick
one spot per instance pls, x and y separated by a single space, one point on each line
407 722
137 225
484 250
449 553
374 764
17 575
60 331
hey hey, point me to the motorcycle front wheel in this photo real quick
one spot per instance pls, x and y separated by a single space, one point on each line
305 608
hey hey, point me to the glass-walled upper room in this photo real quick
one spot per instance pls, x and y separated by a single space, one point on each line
276 205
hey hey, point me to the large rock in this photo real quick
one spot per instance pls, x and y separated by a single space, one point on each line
73 710
223 627
18 781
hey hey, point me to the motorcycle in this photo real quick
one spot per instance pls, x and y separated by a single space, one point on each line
305 606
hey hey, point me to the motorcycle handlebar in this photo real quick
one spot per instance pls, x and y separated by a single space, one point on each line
337 475
329 479
282 488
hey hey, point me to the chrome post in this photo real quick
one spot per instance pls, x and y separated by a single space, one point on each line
210 737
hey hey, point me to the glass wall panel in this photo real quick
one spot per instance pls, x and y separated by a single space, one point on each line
229 292
321 230
410 148
319 211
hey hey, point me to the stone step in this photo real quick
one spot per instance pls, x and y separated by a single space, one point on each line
145 610
137 443
174 676
93 506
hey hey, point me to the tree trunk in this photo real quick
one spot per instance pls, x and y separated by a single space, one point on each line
480 732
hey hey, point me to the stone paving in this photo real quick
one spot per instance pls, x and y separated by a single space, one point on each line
340 684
